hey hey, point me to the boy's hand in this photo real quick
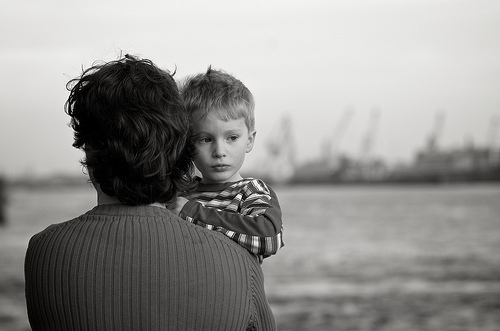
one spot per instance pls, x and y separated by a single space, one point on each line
176 206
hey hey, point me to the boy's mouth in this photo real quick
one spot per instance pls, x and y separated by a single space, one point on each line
220 167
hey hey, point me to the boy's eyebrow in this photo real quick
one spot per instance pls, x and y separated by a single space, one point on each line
225 132
233 130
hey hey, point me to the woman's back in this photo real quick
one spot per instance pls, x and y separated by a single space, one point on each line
140 268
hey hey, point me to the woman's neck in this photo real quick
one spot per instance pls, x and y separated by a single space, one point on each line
103 199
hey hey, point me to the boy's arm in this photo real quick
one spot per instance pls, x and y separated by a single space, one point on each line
258 227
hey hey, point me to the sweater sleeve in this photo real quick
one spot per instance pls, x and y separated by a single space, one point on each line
257 227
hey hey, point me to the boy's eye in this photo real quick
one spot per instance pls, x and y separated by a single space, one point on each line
233 138
204 140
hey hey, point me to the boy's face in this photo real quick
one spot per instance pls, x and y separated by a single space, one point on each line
220 147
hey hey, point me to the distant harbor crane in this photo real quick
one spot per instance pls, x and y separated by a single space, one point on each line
433 139
331 147
369 137
281 152
491 141
491 138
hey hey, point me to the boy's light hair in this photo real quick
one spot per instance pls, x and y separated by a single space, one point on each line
220 94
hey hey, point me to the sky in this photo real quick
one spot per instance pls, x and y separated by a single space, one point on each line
311 62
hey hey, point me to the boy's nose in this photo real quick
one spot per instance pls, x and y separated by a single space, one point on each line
219 151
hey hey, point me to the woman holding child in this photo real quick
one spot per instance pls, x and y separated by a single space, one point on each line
130 263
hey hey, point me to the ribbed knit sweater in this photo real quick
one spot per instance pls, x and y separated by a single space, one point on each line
141 268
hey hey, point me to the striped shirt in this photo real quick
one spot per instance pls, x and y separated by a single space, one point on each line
246 211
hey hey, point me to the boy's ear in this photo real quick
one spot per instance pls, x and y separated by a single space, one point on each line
251 140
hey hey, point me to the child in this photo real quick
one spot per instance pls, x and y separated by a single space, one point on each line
244 209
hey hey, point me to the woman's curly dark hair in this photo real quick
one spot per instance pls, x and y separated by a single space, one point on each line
129 119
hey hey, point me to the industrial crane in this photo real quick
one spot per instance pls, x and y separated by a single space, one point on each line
281 152
433 139
331 148
369 137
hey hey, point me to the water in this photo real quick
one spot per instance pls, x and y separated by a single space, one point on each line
388 258
356 257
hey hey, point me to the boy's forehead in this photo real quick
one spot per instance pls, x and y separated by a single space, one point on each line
213 123
222 115
201 116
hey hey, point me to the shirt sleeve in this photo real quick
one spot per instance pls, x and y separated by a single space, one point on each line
257 227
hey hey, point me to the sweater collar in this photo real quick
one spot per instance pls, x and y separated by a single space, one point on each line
121 209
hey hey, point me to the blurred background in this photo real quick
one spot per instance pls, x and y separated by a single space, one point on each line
362 78
378 123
